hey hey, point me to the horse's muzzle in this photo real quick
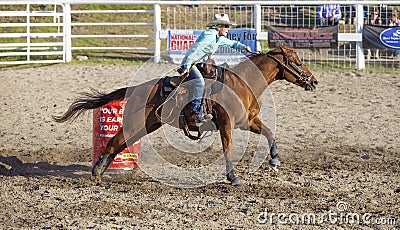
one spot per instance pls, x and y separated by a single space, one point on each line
310 85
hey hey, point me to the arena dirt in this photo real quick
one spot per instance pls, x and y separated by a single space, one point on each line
339 148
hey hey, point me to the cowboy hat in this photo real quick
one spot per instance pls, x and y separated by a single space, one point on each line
220 20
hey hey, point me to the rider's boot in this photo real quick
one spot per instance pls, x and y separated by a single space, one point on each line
200 120
208 117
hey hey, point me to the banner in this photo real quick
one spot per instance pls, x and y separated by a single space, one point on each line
303 37
381 37
179 42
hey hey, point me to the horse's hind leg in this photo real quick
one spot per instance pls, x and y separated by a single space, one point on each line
257 126
114 146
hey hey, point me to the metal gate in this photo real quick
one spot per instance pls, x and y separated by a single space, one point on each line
31 33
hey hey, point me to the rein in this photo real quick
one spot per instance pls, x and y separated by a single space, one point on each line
170 98
182 118
300 74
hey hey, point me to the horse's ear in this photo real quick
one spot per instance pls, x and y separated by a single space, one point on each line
285 49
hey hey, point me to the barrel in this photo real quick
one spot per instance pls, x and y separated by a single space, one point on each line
107 121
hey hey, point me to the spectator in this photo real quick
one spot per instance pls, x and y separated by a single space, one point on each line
384 14
394 21
374 19
329 14
350 14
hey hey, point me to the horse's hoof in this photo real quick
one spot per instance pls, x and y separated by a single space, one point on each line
275 163
96 179
235 182
275 168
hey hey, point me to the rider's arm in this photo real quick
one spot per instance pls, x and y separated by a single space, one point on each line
233 44
184 72
199 49
189 60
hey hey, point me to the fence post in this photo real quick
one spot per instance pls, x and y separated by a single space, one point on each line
28 31
257 24
67 33
360 60
157 29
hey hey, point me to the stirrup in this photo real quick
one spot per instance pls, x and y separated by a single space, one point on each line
206 118
199 123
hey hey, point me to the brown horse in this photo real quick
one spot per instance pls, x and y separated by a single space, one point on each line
237 105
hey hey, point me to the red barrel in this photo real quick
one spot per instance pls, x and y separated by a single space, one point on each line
107 121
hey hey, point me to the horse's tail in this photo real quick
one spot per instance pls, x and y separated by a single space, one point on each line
90 101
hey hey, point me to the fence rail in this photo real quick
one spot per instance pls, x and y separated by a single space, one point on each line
22 42
147 30
120 24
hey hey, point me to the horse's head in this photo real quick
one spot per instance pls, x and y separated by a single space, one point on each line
292 68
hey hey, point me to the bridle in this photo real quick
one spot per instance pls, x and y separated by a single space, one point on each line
299 73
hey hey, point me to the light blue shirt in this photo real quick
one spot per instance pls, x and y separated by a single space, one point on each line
207 43
329 10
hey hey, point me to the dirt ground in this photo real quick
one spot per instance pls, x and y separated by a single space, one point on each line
339 148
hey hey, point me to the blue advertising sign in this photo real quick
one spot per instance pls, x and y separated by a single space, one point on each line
247 37
179 42
391 37
381 37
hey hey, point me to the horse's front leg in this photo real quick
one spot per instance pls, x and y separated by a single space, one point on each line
257 126
226 132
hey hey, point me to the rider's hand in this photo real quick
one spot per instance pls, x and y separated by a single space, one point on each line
248 49
184 72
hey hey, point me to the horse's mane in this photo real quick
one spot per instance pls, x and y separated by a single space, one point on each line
258 57
254 55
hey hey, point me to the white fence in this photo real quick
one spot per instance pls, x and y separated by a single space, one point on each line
28 40
68 34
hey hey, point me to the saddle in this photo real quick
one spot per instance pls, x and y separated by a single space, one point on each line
173 84
209 71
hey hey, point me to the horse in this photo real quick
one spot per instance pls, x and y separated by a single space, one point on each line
236 106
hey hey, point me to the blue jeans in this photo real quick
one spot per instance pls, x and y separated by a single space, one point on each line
197 83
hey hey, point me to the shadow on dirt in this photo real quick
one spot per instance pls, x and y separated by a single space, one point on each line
12 166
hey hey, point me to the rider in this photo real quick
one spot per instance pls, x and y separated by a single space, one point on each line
206 44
